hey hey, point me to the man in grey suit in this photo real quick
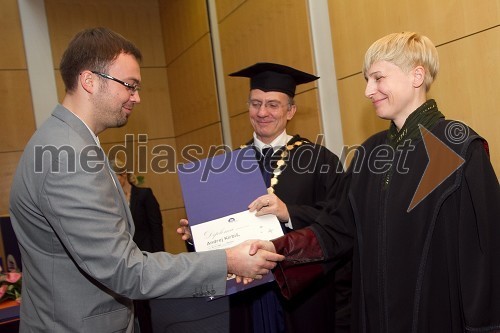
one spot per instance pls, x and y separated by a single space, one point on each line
81 267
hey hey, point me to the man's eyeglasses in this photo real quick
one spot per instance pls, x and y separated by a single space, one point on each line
131 87
270 105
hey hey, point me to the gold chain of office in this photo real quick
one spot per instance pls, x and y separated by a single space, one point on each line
280 163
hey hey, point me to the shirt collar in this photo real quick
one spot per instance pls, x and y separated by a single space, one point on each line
96 139
280 141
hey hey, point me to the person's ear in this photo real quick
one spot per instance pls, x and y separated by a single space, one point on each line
418 76
291 112
87 81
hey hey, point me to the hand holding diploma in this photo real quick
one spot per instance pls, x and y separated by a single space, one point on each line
270 204
185 231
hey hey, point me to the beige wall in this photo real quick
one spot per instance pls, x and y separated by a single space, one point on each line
266 31
17 110
139 21
467 35
179 100
191 67
188 54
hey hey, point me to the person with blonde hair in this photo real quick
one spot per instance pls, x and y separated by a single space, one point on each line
420 211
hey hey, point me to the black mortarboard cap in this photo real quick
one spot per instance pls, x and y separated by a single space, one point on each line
274 77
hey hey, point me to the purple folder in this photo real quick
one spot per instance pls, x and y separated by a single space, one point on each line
219 186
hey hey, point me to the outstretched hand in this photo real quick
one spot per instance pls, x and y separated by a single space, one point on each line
270 204
254 248
243 264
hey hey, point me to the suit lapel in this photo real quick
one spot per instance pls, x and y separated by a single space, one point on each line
126 207
75 123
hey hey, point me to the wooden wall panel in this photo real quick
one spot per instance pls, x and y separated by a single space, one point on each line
306 121
8 165
17 110
138 21
153 115
192 88
184 22
466 94
206 139
467 85
225 7
356 24
13 56
59 85
155 161
173 242
466 34
165 184
264 31
241 129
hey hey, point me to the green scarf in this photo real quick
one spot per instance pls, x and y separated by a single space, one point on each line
426 115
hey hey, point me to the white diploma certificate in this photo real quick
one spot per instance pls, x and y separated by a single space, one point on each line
233 229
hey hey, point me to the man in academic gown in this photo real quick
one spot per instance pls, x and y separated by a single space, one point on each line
302 179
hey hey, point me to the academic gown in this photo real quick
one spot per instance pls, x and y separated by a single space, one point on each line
308 182
432 268
147 219
148 236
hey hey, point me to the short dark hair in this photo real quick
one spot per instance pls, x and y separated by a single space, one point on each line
93 49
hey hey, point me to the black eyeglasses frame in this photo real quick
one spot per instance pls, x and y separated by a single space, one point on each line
132 87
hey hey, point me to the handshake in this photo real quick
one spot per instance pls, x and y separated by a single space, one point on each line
249 260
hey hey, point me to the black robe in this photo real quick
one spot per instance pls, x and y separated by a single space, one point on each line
310 179
433 268
148 236
148 223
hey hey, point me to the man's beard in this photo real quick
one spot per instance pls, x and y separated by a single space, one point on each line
120 122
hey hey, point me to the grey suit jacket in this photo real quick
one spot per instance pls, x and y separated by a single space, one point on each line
81 268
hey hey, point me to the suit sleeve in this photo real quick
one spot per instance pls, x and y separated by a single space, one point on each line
479 239
90 220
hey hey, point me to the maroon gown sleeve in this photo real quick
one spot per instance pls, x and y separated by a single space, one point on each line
312 252
302 265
